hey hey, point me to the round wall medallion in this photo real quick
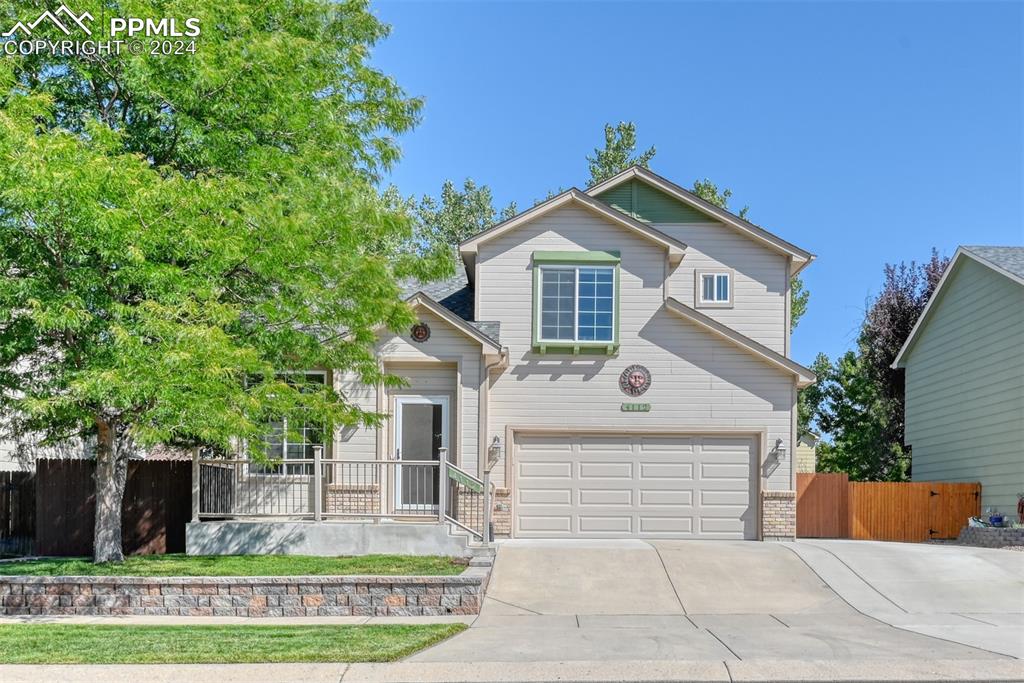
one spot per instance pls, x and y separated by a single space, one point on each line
420 332
635 380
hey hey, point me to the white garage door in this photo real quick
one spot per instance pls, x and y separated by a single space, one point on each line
613 486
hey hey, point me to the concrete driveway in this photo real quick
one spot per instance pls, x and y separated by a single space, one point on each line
694 600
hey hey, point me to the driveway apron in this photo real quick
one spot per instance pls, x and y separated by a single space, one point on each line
552 601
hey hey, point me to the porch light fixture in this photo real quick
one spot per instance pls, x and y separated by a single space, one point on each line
493 453
779 450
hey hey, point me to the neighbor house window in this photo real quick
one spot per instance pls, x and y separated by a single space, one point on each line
715 288
577 303
289 441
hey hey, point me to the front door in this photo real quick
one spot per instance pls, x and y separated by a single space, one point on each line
421 431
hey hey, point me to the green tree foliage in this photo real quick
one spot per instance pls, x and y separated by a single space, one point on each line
859 399
176 231
460 214
618 153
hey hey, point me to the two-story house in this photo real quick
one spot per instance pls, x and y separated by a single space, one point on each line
626 348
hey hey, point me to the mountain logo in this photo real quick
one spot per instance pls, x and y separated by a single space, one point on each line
70 19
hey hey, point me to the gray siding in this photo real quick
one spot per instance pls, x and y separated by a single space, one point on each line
965 386
700 382
760 278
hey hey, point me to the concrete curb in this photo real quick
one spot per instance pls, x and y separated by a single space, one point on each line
747 671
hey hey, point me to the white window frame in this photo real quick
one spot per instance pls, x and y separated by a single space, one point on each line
698 294
575 267
267 470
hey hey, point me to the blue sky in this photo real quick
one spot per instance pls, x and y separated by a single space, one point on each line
865 132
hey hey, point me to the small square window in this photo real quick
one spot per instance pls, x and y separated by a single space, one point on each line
715 288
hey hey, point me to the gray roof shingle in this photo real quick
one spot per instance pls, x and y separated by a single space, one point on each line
1010 259
455 294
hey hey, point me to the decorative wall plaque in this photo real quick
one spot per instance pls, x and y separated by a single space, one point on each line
635 380
420 332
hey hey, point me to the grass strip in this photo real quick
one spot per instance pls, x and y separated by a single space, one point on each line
240 565
235 644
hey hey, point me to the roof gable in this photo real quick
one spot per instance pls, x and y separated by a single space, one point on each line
650 205
474 332
994 258
690 205
469 248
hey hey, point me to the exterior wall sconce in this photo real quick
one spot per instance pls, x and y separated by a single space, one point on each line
779 450
493 453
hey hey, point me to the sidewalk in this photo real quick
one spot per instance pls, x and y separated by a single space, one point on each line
531 672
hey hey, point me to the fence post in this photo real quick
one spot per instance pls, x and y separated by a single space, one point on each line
318 483
488 506
442 483
196 489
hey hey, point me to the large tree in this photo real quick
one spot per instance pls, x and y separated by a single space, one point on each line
176 232
859 399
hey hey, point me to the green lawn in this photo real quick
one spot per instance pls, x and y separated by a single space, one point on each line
239 565
93 644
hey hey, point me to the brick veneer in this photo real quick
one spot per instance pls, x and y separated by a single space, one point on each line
501 517
778 515
359 499
245 596
990 537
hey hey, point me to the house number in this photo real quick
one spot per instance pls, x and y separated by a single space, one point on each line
636 407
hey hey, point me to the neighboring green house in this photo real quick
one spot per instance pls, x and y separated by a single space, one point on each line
964 364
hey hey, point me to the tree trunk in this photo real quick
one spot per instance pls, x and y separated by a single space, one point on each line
111 475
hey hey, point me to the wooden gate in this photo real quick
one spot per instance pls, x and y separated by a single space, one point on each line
829 506
821 506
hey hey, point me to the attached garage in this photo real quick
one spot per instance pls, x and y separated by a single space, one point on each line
580 485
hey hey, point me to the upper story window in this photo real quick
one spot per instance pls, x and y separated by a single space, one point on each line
714 289
577 303
575 300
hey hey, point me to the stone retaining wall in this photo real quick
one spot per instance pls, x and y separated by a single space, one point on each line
990 537
291 596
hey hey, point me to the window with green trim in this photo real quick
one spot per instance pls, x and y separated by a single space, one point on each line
577 304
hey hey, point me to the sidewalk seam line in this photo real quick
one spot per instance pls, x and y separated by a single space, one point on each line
865 581
881 621
668 576
726 646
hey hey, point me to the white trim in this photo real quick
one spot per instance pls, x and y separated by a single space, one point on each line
326 444
400 400
698 295
801 257
575 267
960 251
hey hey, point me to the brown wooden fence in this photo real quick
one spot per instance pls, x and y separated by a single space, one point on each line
17 512
831 506
157 505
